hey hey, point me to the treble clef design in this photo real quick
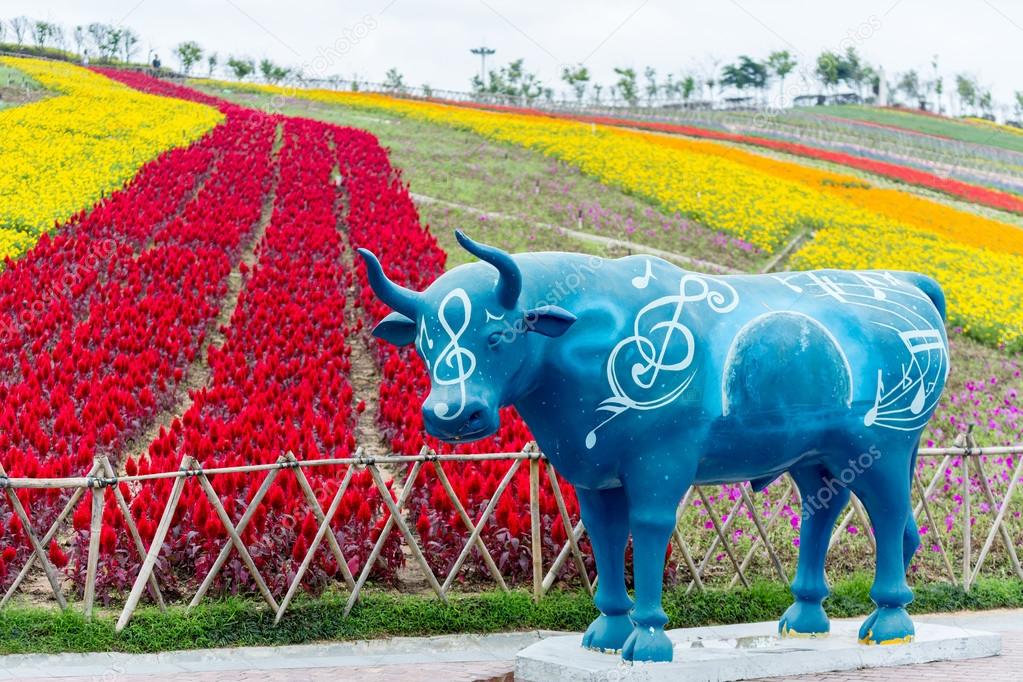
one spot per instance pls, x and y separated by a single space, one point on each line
455 364
663 346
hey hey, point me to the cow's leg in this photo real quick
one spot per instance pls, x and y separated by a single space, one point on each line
823 498
911 536
654 495
605 515
884 490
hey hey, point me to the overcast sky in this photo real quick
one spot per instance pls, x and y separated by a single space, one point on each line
429 41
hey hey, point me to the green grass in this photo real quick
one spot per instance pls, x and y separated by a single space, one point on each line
923 123
17 87
463 168
242 622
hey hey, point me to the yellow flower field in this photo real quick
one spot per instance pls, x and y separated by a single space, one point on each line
984 290
61 154
978 261
903 208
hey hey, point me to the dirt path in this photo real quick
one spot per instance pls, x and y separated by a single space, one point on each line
365 374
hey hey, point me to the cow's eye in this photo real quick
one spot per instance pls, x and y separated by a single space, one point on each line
494 340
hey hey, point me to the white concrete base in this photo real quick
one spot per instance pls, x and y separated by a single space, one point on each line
746 651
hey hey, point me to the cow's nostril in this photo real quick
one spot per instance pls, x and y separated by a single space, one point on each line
475 419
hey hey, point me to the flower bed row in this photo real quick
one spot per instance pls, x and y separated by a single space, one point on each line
126 305
63 153
961 190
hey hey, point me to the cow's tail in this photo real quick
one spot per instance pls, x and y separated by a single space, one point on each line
930 287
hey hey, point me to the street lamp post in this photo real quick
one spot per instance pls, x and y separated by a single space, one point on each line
482 52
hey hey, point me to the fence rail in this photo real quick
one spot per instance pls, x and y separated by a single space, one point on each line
101 480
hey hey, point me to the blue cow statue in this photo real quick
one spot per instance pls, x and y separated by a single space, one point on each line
639 379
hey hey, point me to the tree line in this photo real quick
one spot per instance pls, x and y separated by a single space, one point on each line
109 43
747 78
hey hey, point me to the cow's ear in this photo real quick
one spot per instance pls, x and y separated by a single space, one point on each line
396 329
549 320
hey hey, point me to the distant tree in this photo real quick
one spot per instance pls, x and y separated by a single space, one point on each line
1018 104
966 90
98 33
652 88
394 81
272 73
41 32
129 44
427 90
985 103
189 53
687 87
909 85
57 36
597 88
80 38
512 80
829 69
241 67
745 73
781 63
670 87
106 38
710 83
852 70
212 59
21 27
626 85
3 30
577 77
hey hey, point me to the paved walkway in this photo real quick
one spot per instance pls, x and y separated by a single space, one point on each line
454 658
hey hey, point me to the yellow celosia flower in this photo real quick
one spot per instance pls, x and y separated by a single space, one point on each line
61 154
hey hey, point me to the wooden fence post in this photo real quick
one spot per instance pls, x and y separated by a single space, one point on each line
99 491
534 520
154 588
967 529
50 534
19 511
488 559
154 548
552 478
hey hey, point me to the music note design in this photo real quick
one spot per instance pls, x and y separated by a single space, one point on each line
908 401
664 346
874 285
455 364
644 281
424 342
890 409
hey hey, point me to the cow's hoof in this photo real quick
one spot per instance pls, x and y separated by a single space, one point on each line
608 633
887 626
647 644
804 619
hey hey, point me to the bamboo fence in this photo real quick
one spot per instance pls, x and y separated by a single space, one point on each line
102 480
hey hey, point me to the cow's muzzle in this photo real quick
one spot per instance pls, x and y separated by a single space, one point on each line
475 421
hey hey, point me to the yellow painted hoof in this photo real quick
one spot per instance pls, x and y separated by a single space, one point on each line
792 634
888 642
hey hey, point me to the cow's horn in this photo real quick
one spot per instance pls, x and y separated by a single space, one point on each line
509 286
403 300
